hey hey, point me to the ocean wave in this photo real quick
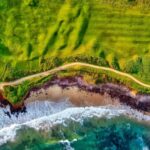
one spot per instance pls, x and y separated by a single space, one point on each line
45 115
34 110
67 144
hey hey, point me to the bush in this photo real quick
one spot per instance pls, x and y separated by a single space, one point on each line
134 65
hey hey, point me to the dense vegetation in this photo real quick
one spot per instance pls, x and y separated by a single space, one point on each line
38 35
15 94
116 30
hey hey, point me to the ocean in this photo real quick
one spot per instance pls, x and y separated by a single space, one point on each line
61 126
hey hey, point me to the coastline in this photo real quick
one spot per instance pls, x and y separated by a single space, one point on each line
81 93
45 107
69 115
74 94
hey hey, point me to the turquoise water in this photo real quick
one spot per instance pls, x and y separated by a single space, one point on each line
119 133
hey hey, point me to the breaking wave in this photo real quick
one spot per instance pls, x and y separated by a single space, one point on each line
43 116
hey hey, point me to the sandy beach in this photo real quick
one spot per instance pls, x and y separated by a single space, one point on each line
81 93
76 96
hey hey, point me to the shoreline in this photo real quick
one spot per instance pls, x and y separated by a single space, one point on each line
46 122
82 93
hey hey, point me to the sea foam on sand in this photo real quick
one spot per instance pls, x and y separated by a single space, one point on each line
34 110
44 115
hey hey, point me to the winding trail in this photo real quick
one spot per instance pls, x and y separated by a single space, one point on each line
45 73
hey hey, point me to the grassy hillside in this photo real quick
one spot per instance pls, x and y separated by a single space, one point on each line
34 32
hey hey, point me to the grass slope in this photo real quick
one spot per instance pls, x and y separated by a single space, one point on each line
33 32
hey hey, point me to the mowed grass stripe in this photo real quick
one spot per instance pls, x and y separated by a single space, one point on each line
131 27
105 16
122 32
121 27
127 32
118 14
121 18
105 20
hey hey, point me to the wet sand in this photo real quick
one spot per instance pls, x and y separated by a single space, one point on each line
75 95
82 93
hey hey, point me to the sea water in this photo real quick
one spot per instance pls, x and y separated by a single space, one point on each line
61 126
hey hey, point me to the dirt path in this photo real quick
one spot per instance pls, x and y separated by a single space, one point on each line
45 73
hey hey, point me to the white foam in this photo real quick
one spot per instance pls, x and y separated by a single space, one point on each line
35 110
62 112
67 144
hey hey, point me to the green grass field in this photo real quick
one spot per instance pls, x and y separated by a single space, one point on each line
114 30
